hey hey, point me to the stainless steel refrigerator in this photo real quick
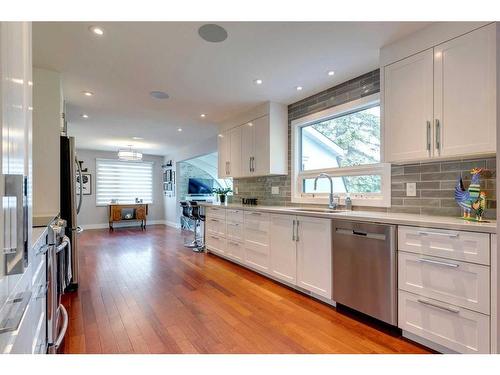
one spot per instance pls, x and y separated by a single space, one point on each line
71 202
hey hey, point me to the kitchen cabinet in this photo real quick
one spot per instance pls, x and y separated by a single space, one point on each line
465 94
314 255
301 252
283 248
441 102
256 240
257 146
408 108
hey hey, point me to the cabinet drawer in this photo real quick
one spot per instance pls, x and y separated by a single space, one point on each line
257 256
466 246
456 328
235 250
216 226
235 216
216 243
234 231
458 283
216 212
257 223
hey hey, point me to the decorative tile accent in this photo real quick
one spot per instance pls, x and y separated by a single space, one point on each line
435 180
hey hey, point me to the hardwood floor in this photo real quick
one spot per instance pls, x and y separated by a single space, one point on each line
143 292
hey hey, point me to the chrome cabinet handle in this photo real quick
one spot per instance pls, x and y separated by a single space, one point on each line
215 220
445 264
429 136
293 231
250 164
297 231
234 243
425 233
253 163
438 135
215 237
80 200
233 224
446 308
229 167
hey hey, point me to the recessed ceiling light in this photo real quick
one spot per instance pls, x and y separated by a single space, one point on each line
221 135
331 73
96 30
137 138
159 94
212 33
203 115
85 116
258 82
179 129
298 88
88 93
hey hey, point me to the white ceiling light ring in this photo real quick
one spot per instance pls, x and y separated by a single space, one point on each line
258 81
96 30
88 93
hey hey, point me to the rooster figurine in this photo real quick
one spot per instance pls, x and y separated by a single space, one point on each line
472 199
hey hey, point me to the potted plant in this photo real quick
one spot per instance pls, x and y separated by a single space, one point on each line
222 192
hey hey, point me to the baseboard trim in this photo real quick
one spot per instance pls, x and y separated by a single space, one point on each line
122 225
173 224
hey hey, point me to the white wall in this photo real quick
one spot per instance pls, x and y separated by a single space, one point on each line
171 204
47 119
92 216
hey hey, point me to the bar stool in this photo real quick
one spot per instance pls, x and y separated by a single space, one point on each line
186 214
198 217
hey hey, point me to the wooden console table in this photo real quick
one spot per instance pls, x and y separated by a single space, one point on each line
118 212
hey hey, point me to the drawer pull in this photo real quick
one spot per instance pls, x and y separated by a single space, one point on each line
449 309
234 224
42 291
215 238
255 213
215 220
450 235
234 243
445 264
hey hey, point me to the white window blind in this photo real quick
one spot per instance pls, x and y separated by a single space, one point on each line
123 181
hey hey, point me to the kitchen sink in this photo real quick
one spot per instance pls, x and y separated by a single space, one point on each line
325 210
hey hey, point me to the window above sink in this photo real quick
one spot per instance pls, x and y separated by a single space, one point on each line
343 142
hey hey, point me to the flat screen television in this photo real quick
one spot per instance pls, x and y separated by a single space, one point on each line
200 186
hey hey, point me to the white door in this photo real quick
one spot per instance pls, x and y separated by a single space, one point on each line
465 95
260 156
314 255
223 148
408 112
247 148
235 152
283 248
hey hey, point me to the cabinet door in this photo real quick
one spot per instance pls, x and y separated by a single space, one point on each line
247 148
234 165
261 156
223 149
464 94
408 112
314 255
283 248
140 213
116 214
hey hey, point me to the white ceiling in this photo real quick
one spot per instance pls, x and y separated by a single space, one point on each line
133 58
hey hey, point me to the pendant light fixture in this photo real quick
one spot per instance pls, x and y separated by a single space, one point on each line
129 154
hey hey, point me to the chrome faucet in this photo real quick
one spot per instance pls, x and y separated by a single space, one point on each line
331 204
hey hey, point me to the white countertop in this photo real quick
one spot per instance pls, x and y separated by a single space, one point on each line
427 221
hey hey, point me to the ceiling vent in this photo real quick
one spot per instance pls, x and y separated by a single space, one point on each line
212 33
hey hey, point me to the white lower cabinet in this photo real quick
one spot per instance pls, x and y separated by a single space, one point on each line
283 248
256 240
215 243
314 255
458 329
301 252
444 295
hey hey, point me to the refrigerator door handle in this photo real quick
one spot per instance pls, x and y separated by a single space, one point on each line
81 186
64 327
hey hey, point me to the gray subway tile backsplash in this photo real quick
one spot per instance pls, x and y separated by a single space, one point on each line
435 180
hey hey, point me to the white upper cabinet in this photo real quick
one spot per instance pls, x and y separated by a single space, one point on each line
465 94
441 103
255 143
408 106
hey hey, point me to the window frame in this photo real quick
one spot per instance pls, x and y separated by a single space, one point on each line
382 199
152 163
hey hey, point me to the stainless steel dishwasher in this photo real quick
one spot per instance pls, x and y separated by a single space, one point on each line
364 268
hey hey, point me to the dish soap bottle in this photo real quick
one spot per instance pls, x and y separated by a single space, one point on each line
348 202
